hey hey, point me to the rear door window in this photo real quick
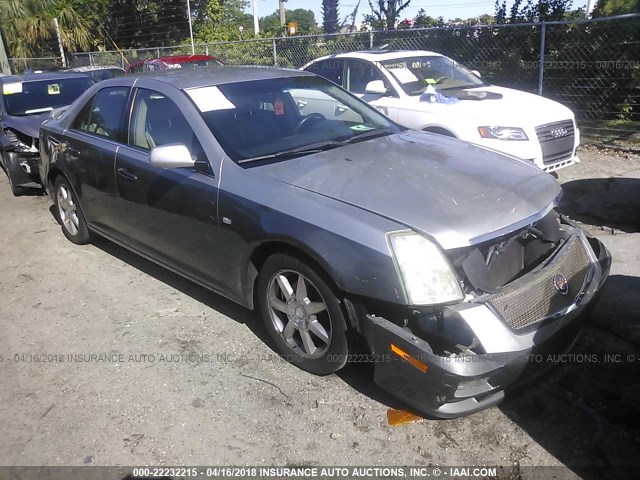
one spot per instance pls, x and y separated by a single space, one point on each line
331 69
156 120
360 73
104 114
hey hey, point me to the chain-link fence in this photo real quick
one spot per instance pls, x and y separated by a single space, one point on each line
594 69
592 66
19 65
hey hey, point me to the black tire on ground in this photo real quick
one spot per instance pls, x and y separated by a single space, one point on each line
69 213
7 164
312 322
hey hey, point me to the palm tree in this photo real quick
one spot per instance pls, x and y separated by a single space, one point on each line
24 25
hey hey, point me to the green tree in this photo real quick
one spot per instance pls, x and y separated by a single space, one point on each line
486 19
371 22
28 26
606 8
220 20
531 11
305 19
330 16
422 20
147 23
388 11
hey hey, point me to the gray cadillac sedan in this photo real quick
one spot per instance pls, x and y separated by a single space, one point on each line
286 194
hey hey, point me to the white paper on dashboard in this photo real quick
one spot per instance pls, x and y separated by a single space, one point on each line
208 99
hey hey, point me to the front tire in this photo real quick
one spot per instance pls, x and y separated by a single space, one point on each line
70 214
302 315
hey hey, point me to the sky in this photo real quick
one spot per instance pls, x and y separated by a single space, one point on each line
448 9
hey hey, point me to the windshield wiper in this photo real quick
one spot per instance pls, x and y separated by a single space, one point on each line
305 150
378 132
464 87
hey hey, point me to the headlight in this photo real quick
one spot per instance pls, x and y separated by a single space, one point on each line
426 274
503 133
17 145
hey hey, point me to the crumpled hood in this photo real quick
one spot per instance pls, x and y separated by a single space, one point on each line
27 124
458 193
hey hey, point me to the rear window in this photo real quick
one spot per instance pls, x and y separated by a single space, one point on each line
38 96
107 73
194 64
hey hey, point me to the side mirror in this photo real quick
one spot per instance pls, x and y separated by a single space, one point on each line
171 156
57 112
476 73
376 87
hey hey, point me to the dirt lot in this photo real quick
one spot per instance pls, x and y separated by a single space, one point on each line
214 393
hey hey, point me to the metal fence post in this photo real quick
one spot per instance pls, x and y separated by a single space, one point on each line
275 53
206 49
371 40
91 59
122 59
543 34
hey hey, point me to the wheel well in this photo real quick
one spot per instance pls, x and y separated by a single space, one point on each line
51 177
265 250
439 131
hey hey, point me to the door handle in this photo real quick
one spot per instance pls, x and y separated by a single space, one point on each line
126 173
301 103
342 108
73 153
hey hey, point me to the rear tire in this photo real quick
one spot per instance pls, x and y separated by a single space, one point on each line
70 215
7 166
302 315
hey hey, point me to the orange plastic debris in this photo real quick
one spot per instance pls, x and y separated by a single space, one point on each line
396 418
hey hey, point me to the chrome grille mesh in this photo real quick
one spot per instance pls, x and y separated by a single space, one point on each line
533 297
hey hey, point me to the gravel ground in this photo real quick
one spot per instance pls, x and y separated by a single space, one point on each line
214 392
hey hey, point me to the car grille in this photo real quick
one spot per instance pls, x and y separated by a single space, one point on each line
534 297
556 140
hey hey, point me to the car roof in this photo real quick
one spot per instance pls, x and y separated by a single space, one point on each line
95 67
217 75
381 55
30 77
183 58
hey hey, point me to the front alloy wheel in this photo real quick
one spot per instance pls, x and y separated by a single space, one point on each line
304 324
302 315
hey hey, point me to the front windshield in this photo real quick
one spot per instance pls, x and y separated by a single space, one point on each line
414 74
38 96
286 116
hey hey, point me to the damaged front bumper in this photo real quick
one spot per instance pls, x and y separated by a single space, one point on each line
513 344
24 169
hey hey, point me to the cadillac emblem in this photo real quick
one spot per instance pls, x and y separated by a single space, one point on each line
561 284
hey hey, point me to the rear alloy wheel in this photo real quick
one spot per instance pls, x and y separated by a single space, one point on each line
70 215
302 315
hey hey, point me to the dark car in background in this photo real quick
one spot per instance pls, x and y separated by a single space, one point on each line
449 260
98 73
190 62
25 102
